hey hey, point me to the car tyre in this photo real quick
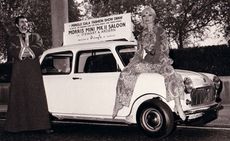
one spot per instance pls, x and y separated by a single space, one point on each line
156 119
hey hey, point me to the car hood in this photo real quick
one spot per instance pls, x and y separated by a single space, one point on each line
198 79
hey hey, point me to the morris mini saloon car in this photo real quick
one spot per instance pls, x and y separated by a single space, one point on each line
80 82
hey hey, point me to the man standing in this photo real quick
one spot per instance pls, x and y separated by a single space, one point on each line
27 107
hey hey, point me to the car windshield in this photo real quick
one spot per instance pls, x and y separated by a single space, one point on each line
126 53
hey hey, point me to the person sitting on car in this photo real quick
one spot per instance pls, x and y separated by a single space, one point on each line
152 56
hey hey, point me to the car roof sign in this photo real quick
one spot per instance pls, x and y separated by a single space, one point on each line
113 27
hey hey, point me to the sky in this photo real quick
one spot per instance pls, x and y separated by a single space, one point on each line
213 37
79 0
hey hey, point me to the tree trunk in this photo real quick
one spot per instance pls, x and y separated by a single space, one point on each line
59 16
180 40
4 33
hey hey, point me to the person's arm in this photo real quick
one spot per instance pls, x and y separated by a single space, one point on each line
12 49
36 44
137 57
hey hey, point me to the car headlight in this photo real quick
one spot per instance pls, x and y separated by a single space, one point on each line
188 85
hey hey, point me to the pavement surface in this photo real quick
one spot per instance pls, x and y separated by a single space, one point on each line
223 119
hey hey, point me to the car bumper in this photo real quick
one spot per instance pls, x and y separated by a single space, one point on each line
203 115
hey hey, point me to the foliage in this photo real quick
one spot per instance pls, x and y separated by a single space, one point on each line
210 59
191 18
226 18
225 14
181 18
37 12
74 13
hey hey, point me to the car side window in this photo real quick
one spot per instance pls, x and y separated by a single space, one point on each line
95 61
57 63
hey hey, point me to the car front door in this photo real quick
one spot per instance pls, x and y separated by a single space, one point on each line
56 70
94 83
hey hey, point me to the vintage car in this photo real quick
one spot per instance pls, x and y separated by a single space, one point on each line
80 82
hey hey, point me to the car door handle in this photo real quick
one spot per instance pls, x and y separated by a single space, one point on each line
77 78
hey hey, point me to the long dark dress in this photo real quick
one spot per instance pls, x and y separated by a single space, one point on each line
27 107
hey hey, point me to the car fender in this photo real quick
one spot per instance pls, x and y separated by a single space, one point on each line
131 118
148 86
146 83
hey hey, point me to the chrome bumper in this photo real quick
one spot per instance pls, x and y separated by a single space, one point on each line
202 116
215 107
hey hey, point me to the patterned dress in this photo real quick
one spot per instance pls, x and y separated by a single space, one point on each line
156 60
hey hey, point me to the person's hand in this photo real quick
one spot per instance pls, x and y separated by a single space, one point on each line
28 53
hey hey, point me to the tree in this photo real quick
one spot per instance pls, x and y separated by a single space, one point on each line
37 12
191 18
180 18
226 19
74 13
225 14
3 42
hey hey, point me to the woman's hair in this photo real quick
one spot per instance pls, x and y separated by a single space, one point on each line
148 10
151 10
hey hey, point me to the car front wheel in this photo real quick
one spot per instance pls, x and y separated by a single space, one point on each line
155 118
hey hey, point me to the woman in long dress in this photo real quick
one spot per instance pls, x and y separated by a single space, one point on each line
152 56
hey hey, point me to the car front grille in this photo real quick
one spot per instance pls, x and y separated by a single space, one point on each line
202 96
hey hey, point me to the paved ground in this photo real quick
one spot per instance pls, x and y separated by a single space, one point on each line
222 121
113 133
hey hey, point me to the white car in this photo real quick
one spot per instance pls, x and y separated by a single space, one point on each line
80 82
